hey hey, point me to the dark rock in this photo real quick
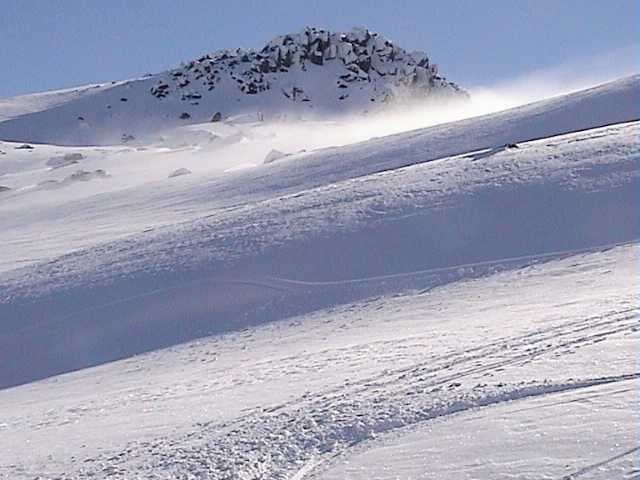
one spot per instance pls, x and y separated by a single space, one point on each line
217 117
316 58
364 64
126 138
85 176
24 146
184 116
65 160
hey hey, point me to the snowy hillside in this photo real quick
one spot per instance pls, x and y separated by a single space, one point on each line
309 74
262 300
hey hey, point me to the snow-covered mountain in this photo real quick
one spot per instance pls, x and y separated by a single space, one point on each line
249 300
309 74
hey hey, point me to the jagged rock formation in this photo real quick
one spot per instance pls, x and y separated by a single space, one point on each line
314 72
362 58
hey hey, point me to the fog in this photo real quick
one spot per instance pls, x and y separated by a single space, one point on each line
247 145
212 149
309 134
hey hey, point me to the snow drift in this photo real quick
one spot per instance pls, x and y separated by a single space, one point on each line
402 212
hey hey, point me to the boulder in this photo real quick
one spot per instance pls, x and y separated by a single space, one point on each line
370 62
73 156
84 175
274 156
179 172
64 160
217 117
184 116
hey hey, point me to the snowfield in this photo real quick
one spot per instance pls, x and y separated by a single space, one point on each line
458 301
467 380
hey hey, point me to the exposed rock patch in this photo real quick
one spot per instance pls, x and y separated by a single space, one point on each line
179 172
64 160
274 156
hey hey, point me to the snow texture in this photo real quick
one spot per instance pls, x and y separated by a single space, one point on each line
458 301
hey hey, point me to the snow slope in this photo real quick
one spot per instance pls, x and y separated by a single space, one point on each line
139 176
327 315
528 373
308 74
166 276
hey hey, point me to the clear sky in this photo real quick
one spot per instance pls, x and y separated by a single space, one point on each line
47 44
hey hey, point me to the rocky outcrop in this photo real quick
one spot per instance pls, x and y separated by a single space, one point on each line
64 160
308 74
179 172
356 58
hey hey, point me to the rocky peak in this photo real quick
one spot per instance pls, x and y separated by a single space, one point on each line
357 57
309 74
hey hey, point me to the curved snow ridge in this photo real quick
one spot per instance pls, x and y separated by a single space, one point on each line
15 107
544 436
374 285
464 270
462 405
282 440
148 206
292 444
547 170
547 196
256 395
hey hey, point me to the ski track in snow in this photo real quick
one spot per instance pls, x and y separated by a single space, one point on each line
311 319
421 373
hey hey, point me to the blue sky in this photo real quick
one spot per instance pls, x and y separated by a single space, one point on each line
47 44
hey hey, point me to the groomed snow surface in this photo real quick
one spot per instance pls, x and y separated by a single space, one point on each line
459 301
